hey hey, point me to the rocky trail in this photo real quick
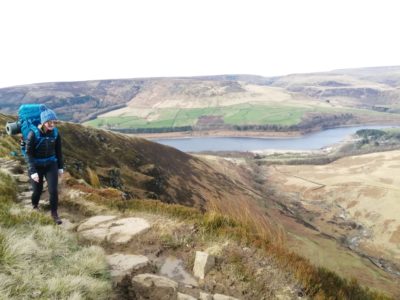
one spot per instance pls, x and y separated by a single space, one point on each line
139 267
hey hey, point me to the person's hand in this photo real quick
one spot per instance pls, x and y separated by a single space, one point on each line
60 172
35 177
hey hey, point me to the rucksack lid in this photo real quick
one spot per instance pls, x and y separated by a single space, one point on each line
30 113
29 118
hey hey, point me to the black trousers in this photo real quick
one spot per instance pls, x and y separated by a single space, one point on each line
50 172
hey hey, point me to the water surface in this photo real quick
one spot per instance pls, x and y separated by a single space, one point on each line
312 141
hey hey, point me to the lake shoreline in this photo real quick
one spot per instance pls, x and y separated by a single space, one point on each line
219 133
260 142
249 134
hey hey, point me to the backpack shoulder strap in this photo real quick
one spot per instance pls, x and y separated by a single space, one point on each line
55 132
35 130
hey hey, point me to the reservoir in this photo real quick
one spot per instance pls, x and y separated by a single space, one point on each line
311 141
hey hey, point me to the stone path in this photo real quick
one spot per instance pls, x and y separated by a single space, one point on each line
138 270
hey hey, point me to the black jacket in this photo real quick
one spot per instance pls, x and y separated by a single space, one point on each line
47 148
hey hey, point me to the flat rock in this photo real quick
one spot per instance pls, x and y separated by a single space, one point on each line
150 286
118 231
223 297
95 221
205 296
123 264
122 230
185 297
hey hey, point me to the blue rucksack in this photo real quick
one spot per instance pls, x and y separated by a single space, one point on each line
29 119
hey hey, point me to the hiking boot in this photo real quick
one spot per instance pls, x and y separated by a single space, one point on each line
35 207
56 219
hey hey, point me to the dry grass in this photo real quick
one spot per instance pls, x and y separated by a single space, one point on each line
254 224
251 228
93 178
38 260
47 262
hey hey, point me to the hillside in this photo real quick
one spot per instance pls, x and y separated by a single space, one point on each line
143 169
354 199
293 103
334 214
251 261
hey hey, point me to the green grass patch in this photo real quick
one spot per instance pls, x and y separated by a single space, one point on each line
239 114
231 115
260 115
129 122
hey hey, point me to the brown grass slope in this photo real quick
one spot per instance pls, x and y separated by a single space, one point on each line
374 89
235 217
140 168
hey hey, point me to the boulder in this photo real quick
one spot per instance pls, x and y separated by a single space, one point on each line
150 286
202 264
123 264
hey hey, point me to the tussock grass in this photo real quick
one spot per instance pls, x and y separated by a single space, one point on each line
8 189
93 178
48 262
38 260
253 223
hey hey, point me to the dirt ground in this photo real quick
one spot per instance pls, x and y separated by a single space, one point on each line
355 199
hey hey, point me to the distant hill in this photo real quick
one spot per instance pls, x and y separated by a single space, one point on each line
296 102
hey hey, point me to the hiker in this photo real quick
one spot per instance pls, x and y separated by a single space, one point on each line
44 157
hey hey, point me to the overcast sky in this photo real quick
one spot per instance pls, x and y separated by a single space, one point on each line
68 40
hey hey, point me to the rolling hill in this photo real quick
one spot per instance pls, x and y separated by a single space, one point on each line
297 102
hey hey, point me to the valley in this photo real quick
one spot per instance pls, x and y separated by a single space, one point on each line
311 212
338 209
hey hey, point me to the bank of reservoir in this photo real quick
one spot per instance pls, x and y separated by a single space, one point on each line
312 141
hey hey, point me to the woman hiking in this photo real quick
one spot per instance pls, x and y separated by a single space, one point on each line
44 155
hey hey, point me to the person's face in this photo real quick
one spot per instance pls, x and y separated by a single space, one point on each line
50 125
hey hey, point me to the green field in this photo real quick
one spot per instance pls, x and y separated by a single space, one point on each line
240 114
243 114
